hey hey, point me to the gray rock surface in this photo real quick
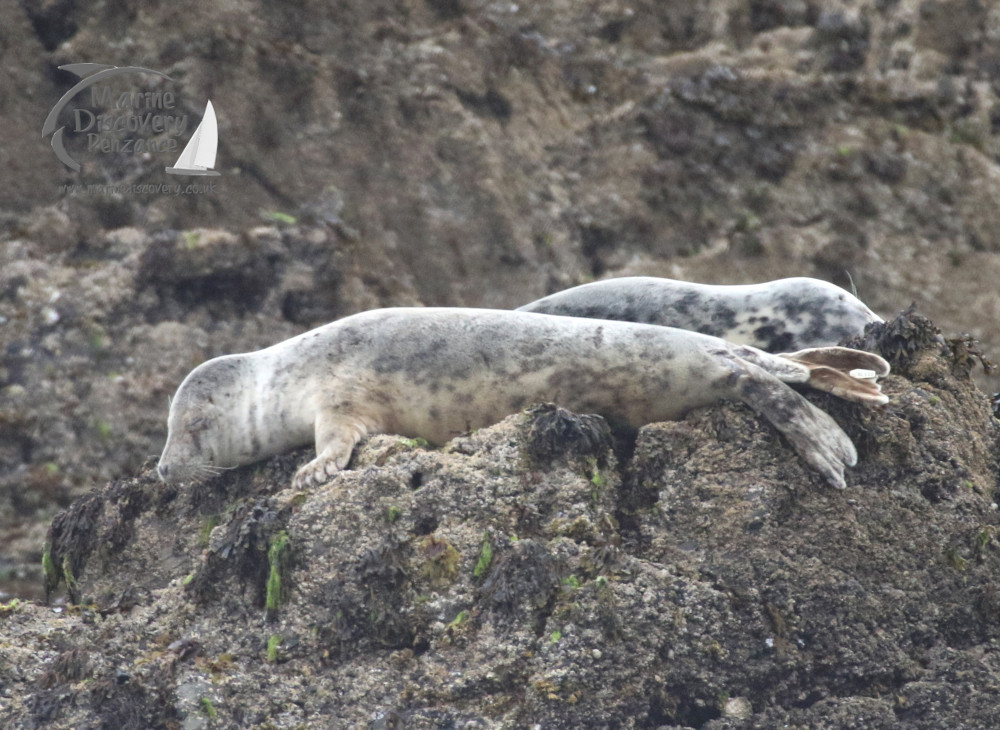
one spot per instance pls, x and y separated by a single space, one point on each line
534 575
475 153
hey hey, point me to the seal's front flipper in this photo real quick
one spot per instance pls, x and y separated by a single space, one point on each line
816 437
840 358
336 437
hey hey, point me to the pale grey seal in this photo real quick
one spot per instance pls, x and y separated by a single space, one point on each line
437 373
776 316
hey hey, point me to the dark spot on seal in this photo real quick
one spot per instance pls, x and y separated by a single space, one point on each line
779 409
196 440
556 432
777 340
389 362
532 349
629 314
569 310
255 445
434 413
818 327
688 303
724 318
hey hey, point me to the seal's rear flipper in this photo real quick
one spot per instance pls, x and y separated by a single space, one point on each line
840 358
816 437
847 373
859 390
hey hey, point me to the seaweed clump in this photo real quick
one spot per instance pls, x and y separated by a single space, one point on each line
244 552
526 577
965 353
556 432
73 536
901 340
102 523
365 606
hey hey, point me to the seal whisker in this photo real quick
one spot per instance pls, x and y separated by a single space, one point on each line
208 472
201 475
850 280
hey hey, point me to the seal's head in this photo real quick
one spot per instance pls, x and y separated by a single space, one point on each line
201 439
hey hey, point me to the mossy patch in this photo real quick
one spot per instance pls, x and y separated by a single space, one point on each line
49 569
205 530
485 558
8 608
67 574
276 560
208 708
273 642
441 560
277 216
460 620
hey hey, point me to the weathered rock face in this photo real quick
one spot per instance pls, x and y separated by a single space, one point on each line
483 154
469 153
526 576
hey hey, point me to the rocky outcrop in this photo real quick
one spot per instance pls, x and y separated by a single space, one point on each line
535 573
453 153
445 152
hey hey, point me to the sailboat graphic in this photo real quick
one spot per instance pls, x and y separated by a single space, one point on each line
198 157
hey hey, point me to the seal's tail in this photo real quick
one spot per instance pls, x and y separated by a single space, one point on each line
849 374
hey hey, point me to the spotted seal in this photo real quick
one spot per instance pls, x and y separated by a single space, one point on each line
438 372
777 316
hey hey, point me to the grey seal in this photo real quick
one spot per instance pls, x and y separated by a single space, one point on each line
436 373
776 316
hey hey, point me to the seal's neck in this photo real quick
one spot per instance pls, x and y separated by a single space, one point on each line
277 409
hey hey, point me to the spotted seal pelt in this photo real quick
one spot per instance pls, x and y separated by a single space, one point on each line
437 373
777 316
